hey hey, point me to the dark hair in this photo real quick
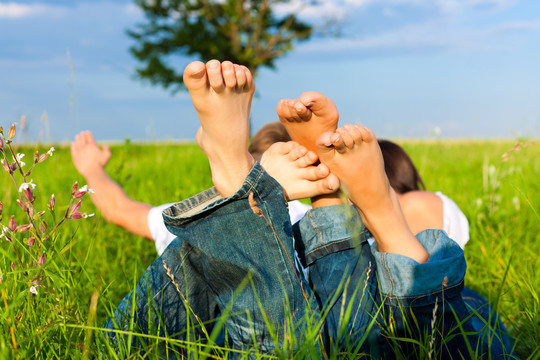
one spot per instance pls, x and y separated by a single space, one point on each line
399 168
270 133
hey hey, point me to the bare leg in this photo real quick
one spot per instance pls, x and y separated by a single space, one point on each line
292 166
353 155
109 197
307 117
221 94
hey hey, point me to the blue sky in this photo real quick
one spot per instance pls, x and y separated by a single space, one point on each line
405 68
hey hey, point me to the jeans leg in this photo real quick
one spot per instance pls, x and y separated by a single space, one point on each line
415 301
172 296
342 273
493 335
248 262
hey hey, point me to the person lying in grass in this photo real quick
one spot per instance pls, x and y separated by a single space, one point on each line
234 246
143 219
422 209
400 312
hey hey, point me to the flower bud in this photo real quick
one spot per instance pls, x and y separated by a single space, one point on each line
52 202
22 205
23 228
29 196
79 194
40 214
13 266
41 260
43 227
13 166
76 216
1 208
75 208
1 144
12 224
31 241
5 165
11 132
74 188
36 157
43 157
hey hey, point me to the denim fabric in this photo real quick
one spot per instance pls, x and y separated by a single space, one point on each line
244 263
235 256
489 325
163 301
341 272
387 289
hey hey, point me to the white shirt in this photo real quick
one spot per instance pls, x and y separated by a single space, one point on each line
455 223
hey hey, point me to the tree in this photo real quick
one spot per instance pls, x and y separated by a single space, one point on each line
246 32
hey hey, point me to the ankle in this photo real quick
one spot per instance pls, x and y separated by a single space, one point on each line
335 198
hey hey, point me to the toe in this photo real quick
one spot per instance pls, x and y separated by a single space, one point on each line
195 75
215 76
241 78
229 74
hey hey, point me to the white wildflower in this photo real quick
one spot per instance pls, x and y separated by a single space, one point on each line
33 289
85 188
27 185
50 152
19 159
85 215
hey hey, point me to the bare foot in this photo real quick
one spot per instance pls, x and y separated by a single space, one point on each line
89 159
353 155
221 94
307 117
292 166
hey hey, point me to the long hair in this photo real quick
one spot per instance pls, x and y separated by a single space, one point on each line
399 168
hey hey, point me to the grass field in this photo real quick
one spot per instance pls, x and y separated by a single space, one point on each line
89 265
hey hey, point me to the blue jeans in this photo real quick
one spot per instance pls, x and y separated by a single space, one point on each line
388 291
235 256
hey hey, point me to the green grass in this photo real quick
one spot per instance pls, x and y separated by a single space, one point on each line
91 265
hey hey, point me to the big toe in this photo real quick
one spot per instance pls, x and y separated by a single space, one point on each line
195 75
313 98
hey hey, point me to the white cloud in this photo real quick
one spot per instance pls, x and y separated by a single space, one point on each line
494 4
53 62
132 9
439 34
322 9
14 10
516 26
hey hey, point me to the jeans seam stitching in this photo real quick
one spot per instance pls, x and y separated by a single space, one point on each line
447 288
